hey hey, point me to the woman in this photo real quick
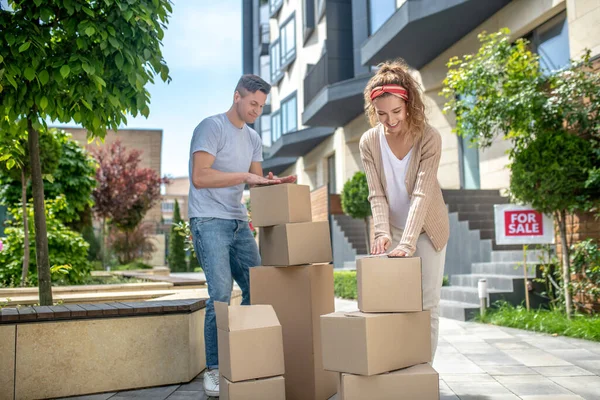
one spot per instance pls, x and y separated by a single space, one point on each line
401 156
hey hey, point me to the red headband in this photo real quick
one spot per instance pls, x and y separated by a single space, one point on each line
396 90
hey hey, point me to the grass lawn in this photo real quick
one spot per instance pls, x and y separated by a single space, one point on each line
553 322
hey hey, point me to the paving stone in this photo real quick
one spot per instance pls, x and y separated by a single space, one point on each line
453 363
156 393
493 358
194 385
550 343
573 355
101 396
446 393
536 358
188 395
553 397
530 385
562 371
504 396
474 378
474 348
589 365
473 390
585 386
494 370
511 345
466 338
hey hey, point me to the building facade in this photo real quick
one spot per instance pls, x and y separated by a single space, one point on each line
319 55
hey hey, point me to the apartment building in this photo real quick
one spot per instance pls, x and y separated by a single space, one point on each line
319 54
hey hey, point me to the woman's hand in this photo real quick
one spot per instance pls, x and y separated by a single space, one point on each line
397 253
380 245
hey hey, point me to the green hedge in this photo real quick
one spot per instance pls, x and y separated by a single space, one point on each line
345 284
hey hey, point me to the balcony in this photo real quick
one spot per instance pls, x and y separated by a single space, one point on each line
332 97
420 30
277 165
298 143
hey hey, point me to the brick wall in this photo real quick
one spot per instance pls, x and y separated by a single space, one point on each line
148 141
319 204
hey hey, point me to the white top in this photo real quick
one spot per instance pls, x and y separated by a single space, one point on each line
395 176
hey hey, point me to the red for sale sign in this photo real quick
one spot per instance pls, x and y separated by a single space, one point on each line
523 223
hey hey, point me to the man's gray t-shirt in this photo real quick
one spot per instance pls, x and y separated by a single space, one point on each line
234 150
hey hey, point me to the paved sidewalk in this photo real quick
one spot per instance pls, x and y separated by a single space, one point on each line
475 362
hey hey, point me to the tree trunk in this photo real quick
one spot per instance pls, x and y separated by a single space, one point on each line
104 252
26 250
39 218
562 226
368 233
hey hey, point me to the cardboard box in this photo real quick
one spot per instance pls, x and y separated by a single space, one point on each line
418 382
280 204
257 389
370 344
295 244
299 295
389 284
250 342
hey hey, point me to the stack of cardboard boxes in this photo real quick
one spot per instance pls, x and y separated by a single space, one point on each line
296 279
250 353
382 351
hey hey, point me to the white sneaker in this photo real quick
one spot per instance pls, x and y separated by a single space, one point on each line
211 382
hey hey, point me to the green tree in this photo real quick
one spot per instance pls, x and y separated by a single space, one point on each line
355 202
501 91
550 174
75 60
68 250
74 177
17 178
176 257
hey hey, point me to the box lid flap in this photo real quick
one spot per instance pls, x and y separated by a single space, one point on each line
238 318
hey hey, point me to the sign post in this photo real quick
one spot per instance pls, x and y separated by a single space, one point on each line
516 224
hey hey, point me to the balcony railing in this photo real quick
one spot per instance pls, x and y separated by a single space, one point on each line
324 72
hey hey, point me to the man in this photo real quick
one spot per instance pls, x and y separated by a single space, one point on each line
225 155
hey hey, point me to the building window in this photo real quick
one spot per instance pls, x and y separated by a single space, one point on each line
284 120
167 207
276 71
287 39
265 68
551 42
379 12
275 126
167 221
308 18
289 114
320 9
265 130
275 6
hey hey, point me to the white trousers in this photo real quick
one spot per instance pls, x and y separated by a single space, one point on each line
432 271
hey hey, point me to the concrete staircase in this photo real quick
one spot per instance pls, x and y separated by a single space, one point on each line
354 231
476 207
505 279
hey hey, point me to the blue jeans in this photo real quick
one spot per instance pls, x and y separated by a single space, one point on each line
226 250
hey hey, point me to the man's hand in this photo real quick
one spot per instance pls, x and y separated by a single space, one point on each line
397 253
380 245
283 179
253 180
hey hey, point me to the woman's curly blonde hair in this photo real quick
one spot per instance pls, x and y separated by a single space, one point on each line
396 73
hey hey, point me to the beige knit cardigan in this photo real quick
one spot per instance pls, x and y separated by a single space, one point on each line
427 211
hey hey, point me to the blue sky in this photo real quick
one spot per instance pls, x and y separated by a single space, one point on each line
203 48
